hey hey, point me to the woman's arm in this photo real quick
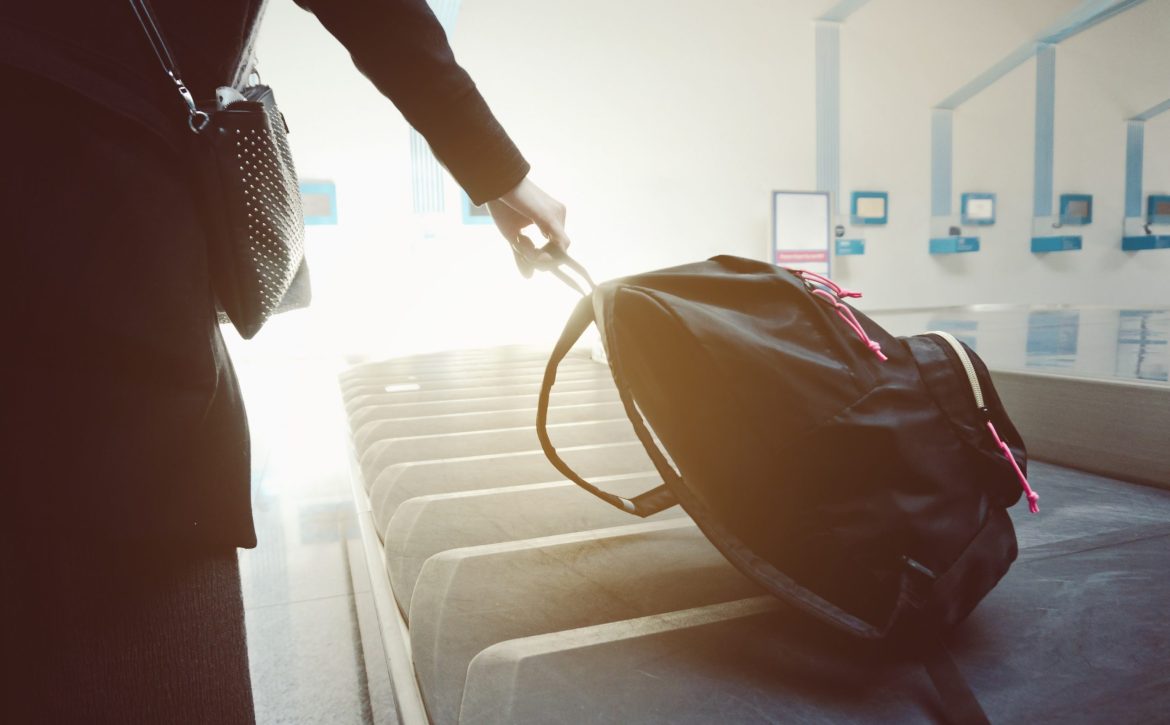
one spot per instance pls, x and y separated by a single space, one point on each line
402 48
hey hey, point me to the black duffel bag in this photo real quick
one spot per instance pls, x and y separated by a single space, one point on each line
860 477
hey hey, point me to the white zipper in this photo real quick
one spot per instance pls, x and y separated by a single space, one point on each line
967 364
973 379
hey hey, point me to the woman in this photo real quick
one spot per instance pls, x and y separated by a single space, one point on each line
126 473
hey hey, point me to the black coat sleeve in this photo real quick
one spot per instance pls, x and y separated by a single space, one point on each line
401 47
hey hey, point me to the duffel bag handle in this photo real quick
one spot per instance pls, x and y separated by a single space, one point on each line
526 250
646 504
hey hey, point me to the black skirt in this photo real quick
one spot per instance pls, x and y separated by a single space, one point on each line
122 415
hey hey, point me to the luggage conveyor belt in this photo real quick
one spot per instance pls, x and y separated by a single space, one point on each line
529 601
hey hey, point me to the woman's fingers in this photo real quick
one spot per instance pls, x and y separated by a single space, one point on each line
528 204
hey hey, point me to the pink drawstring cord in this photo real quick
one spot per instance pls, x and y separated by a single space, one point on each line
837 289
850 319
834 294
1033 497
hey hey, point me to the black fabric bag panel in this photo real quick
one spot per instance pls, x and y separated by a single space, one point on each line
947 383
818 469
705 321
984 561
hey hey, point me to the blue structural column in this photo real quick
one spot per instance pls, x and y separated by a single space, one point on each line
426 175
1135 141
1045 130
1138 232
828 108
842 10
828 84
942 122
1045 234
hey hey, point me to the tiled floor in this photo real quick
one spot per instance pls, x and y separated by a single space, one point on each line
307 659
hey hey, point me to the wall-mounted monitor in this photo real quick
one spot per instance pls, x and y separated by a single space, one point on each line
800 230
1076 209
319 201
978 208
869 207
1159 209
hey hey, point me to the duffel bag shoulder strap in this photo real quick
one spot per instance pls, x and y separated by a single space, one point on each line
960 705
645 504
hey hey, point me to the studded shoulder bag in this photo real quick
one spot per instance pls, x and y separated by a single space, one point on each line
248 190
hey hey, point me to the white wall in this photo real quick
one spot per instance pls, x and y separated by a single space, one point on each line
1104 75
665 124
899 58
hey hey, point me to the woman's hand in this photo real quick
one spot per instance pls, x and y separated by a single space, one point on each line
524 205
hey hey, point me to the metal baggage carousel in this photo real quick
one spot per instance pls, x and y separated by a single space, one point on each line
506 595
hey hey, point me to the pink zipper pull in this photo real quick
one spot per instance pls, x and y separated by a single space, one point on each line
1032 496
837 289
850 319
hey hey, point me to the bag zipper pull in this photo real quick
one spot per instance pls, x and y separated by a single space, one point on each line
850 319
977 392
1032 496
833 293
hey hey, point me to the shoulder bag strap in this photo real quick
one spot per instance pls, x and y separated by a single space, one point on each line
196 119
